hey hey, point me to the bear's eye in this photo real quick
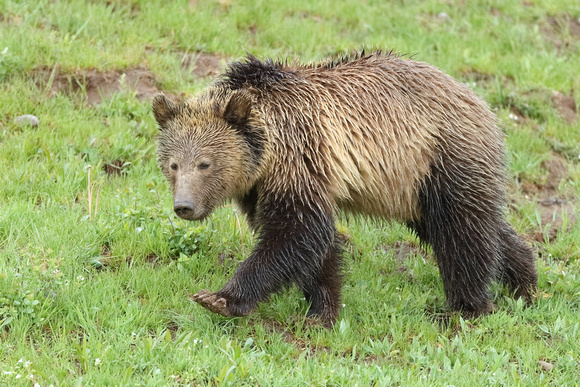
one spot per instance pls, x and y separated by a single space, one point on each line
174 166
203 166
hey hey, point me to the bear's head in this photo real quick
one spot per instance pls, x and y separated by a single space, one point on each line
209 149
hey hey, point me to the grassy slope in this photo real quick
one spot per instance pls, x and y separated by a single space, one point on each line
104 299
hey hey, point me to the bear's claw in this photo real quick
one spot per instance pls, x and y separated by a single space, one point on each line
212 302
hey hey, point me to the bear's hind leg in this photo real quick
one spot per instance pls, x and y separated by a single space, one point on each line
468 260
518 267
323 292
461 226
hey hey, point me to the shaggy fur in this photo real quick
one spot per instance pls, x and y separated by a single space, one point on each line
375 134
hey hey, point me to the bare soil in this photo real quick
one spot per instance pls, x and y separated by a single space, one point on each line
552 205
11 19
287 336
475 75
517 115
562 31
97 85
566 106
114 168
203 65
401 250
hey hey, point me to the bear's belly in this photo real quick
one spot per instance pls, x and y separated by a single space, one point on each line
386 204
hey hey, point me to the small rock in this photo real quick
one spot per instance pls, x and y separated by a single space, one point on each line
545 365
443 16
27 120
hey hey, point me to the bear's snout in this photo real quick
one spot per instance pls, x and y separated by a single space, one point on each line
184 209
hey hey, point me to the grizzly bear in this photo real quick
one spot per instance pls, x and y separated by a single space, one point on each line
380 135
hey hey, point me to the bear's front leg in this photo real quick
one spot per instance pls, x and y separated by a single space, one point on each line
293 243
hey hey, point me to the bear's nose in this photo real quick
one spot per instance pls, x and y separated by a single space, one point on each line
183 209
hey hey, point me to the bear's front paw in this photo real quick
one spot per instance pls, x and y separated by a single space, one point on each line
212 302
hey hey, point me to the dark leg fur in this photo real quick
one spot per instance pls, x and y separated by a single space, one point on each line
518 269
323 293
292 248
248 205
460 223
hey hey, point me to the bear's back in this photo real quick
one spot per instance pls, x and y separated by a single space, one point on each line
366 130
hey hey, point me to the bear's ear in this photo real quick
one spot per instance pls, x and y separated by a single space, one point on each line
238 108
163 109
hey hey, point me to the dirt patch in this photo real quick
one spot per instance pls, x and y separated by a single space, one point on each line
555 210
562 31
566 106
552 213
97 85
114 168
172 327
516 115
14 20
565 23
474 75
106 250
105 258
401 250
152 259
535 105
274 326
132 10
203 65
226 258
557 169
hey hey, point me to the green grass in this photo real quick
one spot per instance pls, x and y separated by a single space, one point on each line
104 298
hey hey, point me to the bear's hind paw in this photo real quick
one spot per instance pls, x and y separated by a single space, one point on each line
212 302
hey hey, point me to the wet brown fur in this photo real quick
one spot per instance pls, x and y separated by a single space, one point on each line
375 134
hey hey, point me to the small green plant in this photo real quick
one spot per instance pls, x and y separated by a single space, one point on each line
186 240
9 63
15 300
